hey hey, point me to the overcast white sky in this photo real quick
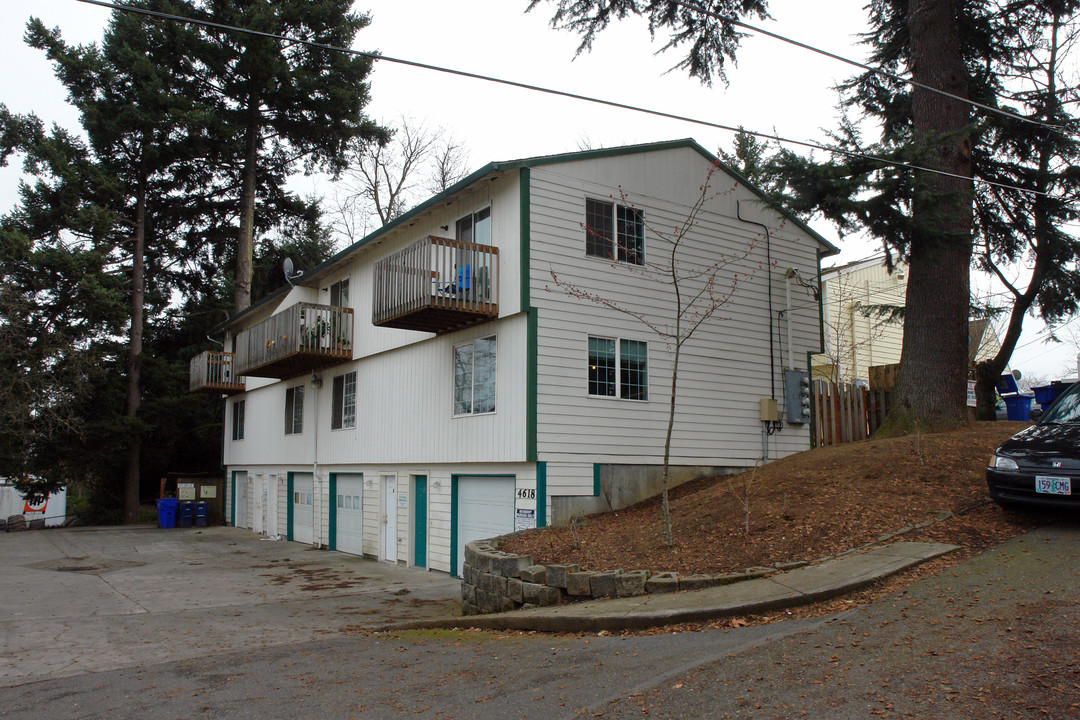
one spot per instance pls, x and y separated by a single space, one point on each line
775 88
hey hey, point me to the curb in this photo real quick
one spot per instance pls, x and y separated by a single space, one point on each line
852 571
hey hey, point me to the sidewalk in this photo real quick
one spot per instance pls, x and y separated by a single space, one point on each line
801 586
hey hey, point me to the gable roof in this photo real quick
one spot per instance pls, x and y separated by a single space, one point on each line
502 166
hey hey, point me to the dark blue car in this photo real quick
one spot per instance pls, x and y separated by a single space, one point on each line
1041 465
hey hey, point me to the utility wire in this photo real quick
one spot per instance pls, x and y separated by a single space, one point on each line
868 68
559 93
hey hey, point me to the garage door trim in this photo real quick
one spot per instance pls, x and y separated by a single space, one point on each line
454 569
332 544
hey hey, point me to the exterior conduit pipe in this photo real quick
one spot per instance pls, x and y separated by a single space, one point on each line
767 427
768 259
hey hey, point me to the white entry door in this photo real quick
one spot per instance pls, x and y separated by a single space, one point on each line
303 508
389 518
485 509
349 506
240 502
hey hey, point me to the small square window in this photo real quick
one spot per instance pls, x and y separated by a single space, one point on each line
614 232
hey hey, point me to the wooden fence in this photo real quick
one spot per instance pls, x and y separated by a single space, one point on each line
846 413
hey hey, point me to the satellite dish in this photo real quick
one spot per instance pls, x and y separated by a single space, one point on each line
1016 374
287 266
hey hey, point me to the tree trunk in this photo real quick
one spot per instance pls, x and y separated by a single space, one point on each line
134 359
932 385
665 506
245 242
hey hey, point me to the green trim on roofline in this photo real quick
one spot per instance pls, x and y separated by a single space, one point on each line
328 265
525 247
531 390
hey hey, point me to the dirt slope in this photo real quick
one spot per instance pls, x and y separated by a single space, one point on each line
803 507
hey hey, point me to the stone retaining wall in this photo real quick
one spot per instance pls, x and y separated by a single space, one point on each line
497 581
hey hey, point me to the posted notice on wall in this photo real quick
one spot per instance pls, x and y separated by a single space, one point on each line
971 401
524 519
185 491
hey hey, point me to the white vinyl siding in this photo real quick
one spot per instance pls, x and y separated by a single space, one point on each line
724 369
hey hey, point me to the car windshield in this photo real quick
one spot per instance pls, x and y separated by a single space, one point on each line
1066 409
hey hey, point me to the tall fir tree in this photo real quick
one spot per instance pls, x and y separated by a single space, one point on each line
290 102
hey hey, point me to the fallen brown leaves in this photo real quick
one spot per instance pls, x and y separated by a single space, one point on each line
803 507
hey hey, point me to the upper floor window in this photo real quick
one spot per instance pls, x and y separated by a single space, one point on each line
629 357
294 410
614 232
343 409
474 377
238 420
475 227
339 293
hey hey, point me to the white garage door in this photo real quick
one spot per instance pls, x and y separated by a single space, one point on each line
240 502
303 508
485 509
349 506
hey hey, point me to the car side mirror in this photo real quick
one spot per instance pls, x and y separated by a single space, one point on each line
1035 414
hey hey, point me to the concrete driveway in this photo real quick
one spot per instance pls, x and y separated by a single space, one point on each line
91 599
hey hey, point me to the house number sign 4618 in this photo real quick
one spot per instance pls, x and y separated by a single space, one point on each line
526 493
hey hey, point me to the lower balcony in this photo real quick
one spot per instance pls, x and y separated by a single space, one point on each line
437 285
212 372
302 338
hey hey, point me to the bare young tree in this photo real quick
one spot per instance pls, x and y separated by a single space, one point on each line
699 290
385 180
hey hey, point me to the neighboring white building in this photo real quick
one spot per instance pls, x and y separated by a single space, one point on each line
858 337
431 384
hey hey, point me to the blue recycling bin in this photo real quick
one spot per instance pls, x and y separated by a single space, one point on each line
166 508
200 514
187 514
1018 406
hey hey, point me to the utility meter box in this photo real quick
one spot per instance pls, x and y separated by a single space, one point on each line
797 396
769 413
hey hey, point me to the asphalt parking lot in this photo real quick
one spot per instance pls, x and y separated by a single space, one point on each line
85 600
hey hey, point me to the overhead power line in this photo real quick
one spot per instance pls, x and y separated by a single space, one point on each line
557 93
869 68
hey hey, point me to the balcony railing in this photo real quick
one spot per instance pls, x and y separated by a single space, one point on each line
212 371
301 338
437 285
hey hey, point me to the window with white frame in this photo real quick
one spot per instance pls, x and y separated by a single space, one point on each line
294 410
618 368
343 406
238 420
339 293
614 232
474 377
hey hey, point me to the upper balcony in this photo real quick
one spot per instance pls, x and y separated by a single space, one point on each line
301 338
437 285
212 372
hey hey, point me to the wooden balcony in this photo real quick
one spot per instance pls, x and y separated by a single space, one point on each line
212 372
301 338
437 285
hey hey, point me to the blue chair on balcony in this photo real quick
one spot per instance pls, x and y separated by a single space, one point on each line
460 285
